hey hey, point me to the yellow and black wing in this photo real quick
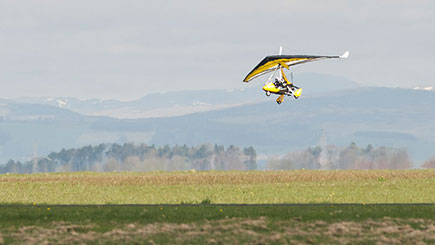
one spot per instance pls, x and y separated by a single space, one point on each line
271 63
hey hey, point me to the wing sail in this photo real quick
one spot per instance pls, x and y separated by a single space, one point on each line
270 63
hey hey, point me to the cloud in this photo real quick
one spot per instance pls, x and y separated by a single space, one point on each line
114 49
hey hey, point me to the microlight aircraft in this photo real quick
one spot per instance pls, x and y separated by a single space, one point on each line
281 85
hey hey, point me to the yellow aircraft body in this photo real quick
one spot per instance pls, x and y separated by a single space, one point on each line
282 86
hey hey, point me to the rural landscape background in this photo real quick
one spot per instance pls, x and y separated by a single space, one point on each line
127 122
343 166
338 124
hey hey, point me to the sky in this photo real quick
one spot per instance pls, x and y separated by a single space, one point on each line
126 49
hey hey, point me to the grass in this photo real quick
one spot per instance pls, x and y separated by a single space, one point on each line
219 223
302 186
146 214
31 210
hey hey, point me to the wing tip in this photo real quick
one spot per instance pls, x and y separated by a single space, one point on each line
345 55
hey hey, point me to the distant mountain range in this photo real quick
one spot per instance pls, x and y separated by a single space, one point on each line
181 103
345 111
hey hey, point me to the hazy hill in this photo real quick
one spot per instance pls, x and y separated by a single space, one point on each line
377 116
380 116
181 103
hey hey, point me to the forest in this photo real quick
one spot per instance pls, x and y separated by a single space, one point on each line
351 157
140 157
143 158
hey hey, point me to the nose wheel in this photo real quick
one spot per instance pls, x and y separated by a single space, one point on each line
267 93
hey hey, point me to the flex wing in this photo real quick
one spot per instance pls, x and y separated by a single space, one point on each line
271 63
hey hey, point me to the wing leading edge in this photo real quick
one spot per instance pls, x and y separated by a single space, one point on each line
270 63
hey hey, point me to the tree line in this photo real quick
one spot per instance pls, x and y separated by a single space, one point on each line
141 157
351 157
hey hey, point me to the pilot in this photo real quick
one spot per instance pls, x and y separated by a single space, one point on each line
282 83
279 82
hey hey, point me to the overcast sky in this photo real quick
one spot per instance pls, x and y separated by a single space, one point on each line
126 49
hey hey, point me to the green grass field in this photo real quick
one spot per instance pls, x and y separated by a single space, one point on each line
30 212
218 224
302 186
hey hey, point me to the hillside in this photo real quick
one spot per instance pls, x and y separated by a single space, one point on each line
365 115
171 104
378 116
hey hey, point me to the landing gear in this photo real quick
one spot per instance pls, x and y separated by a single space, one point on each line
297 93
280 99
267 93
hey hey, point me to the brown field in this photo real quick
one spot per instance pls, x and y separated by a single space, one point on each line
237 230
